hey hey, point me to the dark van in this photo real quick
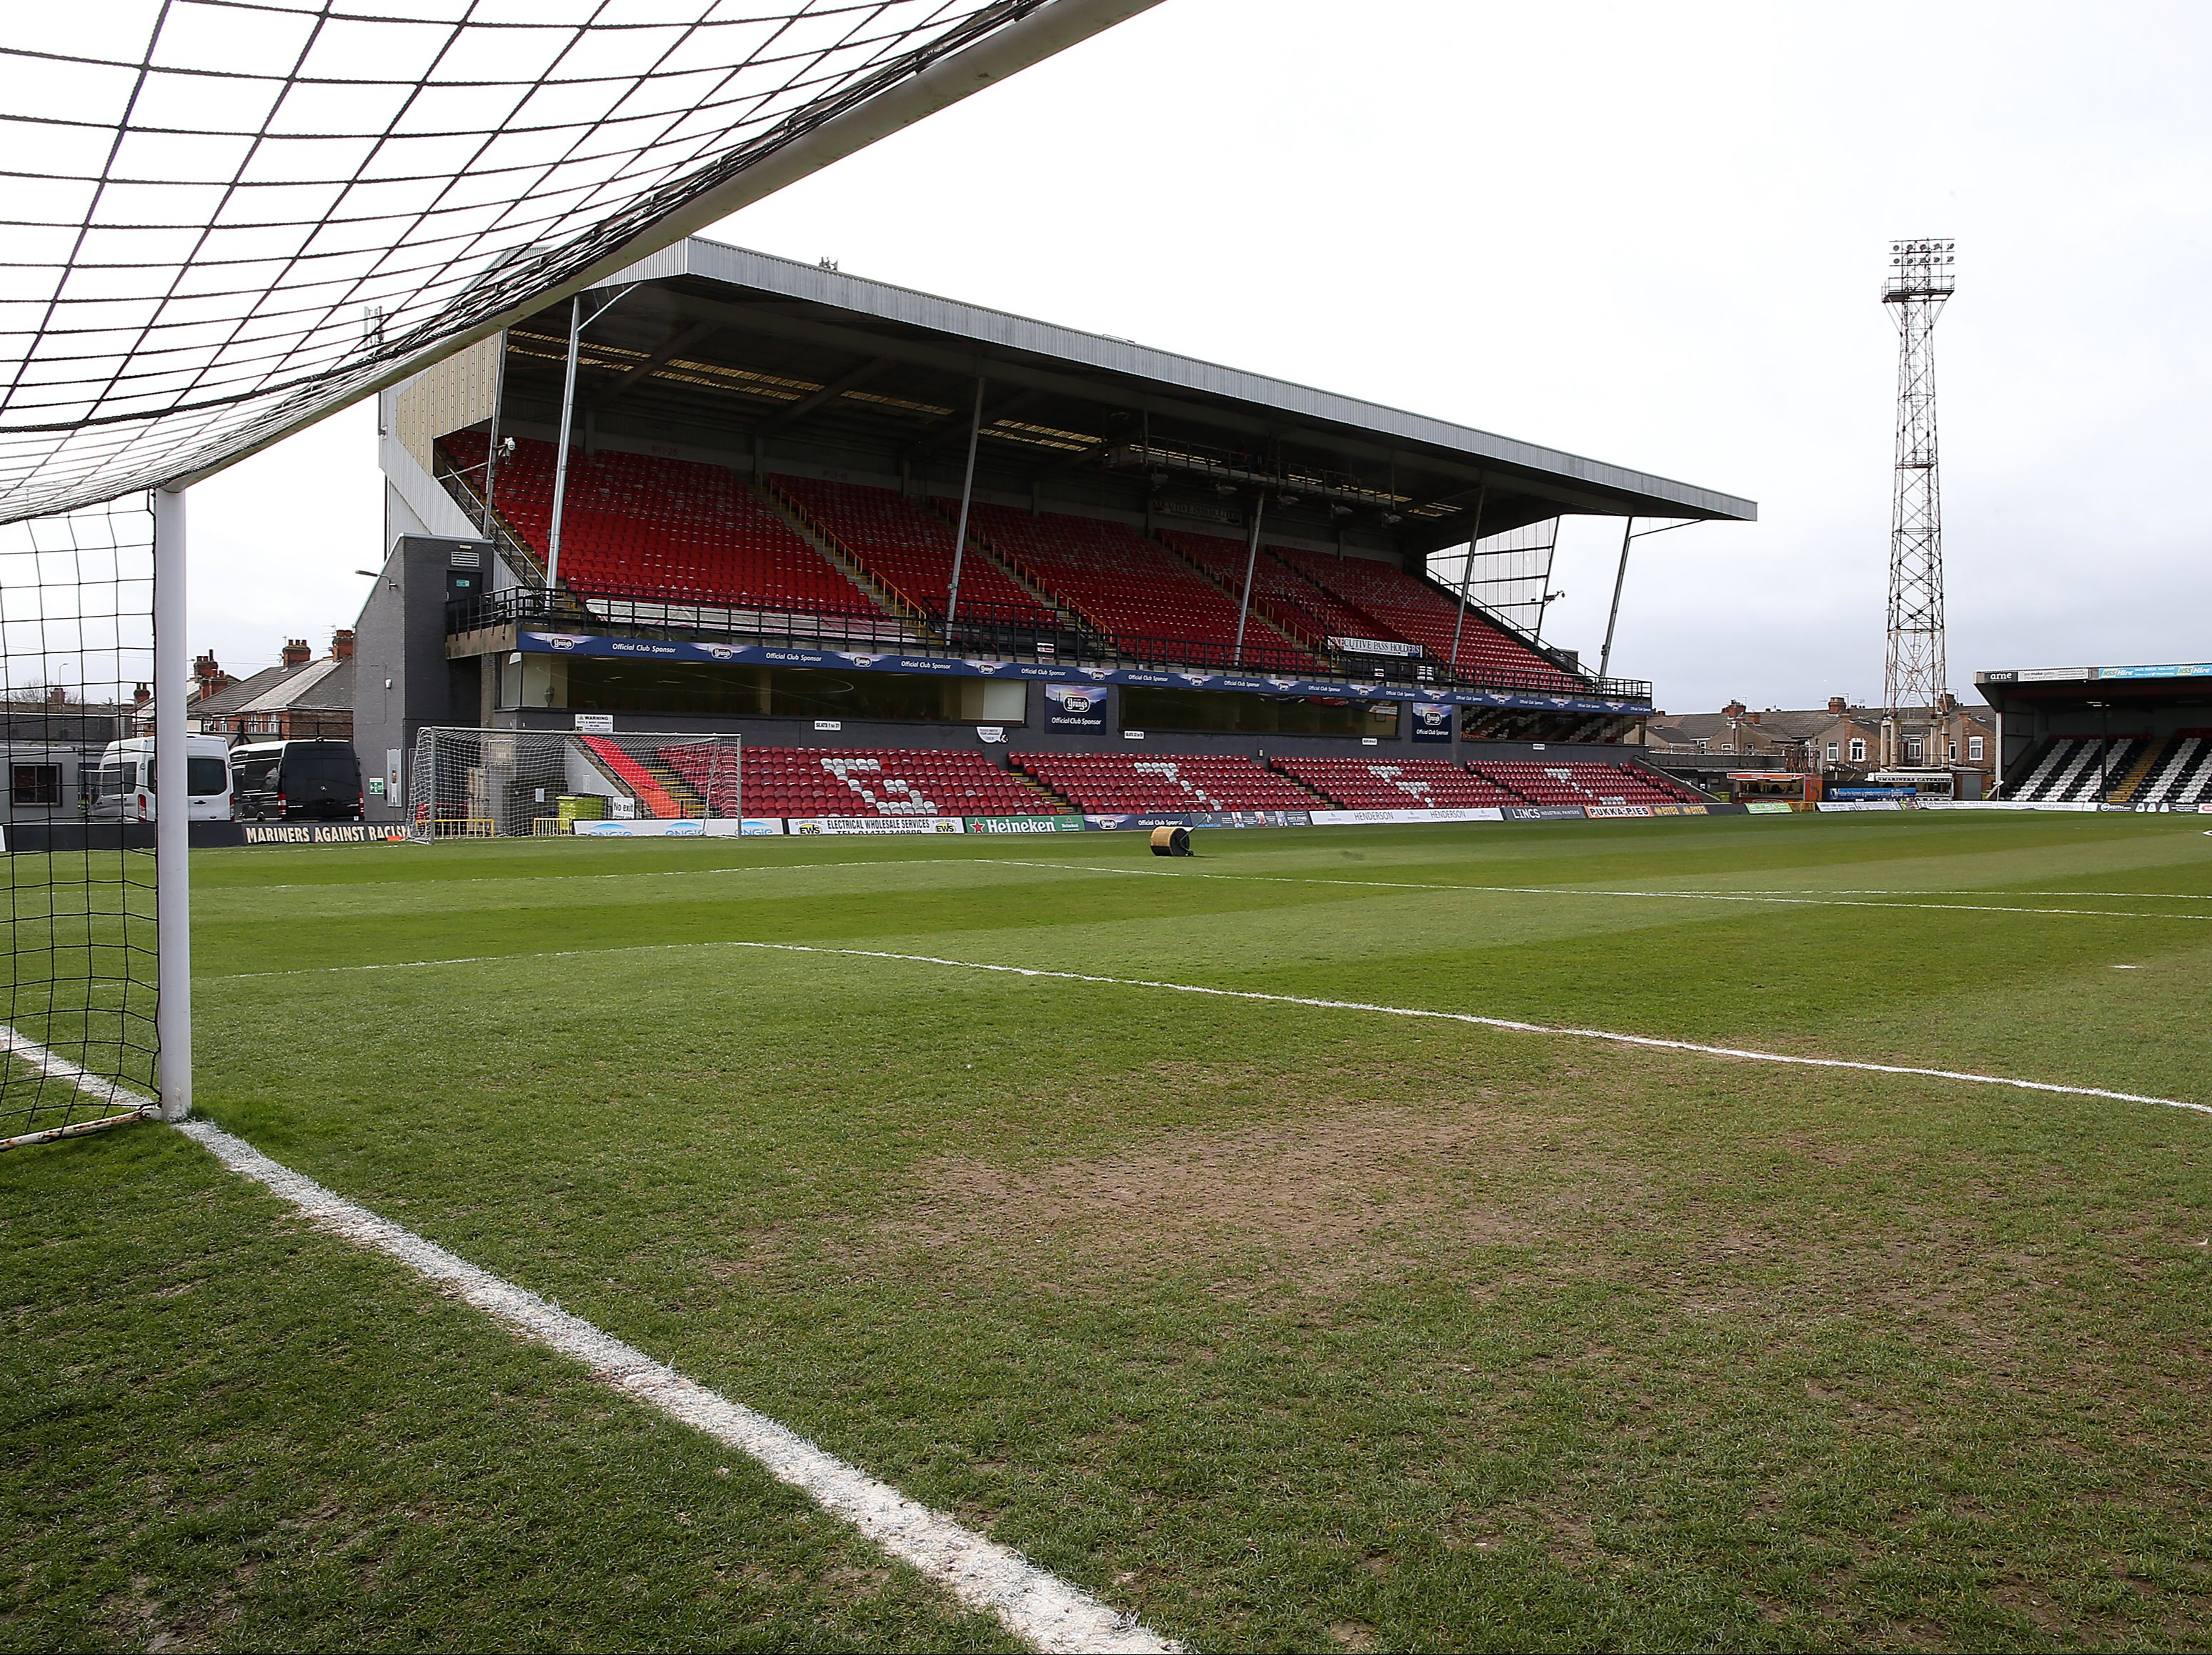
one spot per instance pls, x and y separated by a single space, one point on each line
296 781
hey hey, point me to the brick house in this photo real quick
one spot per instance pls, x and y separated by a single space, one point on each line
299 698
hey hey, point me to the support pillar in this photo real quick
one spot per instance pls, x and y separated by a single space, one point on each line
561 453
1467 572
1251 564
967 493
1612 617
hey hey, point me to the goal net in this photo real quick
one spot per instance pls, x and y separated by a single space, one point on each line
489 784
77 1004
228 219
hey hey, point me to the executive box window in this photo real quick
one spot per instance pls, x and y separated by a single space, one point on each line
1248 714
691 689
35 784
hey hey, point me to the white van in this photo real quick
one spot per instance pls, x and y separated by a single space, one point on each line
126 780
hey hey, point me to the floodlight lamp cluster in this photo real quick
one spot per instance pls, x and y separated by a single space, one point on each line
1921 269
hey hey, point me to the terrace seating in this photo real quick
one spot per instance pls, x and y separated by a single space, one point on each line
908 548
884 781
1127 587
2180 773
1130 781
1406 784
1417 612
1587 784
662 530
2069 770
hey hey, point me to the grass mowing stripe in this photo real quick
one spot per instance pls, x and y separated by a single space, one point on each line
1508 1024
1578 890
1036 1606
1985 890
611 873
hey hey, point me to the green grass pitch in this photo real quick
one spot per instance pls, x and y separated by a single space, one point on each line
1278 1326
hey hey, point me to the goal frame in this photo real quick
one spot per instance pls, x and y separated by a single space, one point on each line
434 786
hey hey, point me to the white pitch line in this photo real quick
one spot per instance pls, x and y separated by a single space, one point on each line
1574 890
1510 1023
1285 999
113 1093
1035 1605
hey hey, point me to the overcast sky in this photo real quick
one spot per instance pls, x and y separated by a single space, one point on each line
1653 234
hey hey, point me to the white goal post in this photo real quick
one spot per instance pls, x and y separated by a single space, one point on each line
491 784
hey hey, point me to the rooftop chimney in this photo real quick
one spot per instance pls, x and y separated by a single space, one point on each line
342 644
1753 718
1734 709
211 677
1839 706
57 696
296 653
140 696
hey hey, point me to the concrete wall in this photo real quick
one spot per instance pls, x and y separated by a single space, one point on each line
402 680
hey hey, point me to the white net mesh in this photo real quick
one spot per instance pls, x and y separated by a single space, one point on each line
225 218
485 784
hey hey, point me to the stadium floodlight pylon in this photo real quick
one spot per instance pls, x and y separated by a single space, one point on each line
490 784
225 220
1914 672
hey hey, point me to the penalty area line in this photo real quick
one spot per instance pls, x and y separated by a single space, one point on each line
1510 1024
1039 1607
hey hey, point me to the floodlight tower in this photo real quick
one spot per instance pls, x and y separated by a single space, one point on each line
1913 674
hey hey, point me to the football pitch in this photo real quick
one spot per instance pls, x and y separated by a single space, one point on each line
1192 1257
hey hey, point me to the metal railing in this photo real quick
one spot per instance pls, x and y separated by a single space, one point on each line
994 634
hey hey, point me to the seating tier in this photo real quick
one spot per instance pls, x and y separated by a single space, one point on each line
1130 781
1416 612
884 781
1126 586
1586 784
1278 593
908 548
662 530
1406 784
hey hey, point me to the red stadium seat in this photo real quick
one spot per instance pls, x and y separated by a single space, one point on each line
1133 781
662 530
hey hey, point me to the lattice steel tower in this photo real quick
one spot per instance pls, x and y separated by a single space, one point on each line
1913 674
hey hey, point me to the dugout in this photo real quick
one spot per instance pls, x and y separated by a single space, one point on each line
767 469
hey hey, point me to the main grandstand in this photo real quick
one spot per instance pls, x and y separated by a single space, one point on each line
1017 567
